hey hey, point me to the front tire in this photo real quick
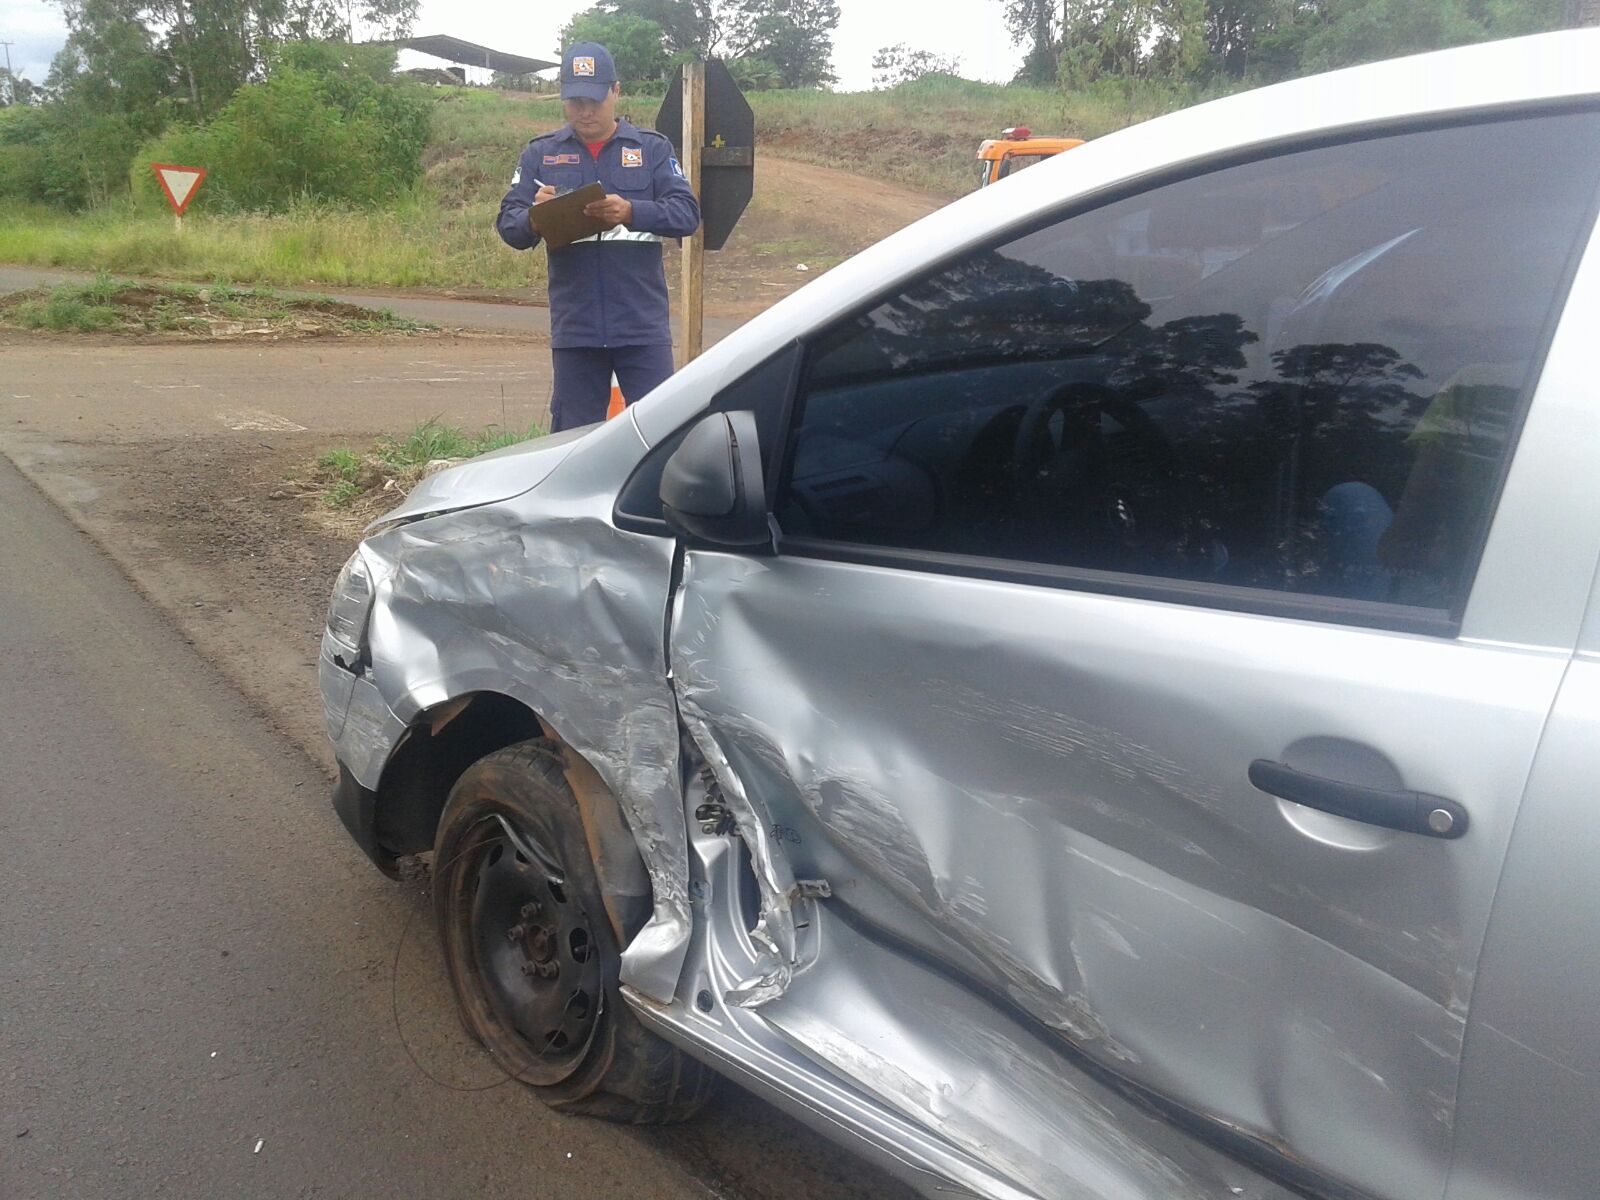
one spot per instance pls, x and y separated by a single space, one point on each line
531 953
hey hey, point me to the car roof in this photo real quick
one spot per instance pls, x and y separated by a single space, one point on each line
1488 77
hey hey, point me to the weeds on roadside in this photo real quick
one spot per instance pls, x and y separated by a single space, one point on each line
63 314
346 475
341 494
432 440
343 464
107 304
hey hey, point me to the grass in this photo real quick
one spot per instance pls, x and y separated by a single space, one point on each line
342 494
923 135
110 305
60 314
341 464
343 476
419 244
432 440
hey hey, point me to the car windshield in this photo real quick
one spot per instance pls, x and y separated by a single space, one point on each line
1017 161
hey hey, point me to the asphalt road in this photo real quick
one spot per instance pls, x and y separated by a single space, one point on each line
194 960
206 991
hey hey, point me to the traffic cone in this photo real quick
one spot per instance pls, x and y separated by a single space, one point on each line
617 403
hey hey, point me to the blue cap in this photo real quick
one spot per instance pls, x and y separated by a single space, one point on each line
587 72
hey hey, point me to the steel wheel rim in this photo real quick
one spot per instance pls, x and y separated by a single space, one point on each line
533 946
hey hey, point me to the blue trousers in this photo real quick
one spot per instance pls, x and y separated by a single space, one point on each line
583 380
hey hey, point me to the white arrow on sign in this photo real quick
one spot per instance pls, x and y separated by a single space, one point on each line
179 183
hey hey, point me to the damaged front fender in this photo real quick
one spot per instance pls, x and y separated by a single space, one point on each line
542 599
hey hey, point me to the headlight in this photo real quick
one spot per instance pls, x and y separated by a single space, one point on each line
351 605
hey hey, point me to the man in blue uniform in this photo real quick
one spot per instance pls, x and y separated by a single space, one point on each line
608 293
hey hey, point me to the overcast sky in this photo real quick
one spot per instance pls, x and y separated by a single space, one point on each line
970 29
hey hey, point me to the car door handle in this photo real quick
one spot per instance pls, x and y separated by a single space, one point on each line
1410 812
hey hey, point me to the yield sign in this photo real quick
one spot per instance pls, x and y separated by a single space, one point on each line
179 183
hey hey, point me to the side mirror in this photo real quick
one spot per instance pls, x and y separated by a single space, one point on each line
712 488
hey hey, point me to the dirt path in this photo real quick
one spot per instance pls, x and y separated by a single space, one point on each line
802 215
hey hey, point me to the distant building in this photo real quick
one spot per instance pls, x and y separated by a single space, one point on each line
469 54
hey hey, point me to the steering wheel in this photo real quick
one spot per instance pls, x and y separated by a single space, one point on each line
1117 490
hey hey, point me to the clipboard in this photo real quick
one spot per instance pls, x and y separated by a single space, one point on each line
561 221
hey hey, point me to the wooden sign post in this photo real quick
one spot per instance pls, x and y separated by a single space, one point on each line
694 247
714 132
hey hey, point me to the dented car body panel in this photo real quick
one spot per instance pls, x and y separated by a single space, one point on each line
1058 793
550 604
969 872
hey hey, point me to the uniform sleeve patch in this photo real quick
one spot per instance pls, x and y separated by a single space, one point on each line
678 170
632 156
516 176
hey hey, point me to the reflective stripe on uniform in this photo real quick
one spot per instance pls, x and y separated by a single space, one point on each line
620 234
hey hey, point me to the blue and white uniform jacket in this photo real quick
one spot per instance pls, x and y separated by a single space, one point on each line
607 290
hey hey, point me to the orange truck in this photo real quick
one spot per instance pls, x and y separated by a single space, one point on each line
1015 149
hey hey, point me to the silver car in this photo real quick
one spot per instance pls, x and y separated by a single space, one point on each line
1097 696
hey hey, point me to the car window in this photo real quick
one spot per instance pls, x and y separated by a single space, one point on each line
1018 160
1300 374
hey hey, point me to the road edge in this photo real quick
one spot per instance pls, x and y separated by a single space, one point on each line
182 614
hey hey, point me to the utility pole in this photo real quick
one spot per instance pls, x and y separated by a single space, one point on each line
11 80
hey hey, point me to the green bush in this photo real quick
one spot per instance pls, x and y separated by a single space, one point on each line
62 154
309 130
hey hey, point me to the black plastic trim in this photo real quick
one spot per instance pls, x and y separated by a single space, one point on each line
357 808
1396 808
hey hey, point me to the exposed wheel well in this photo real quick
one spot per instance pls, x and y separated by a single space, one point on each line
447 739
441 744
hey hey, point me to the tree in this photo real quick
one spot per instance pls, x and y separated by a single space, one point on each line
1233 29
754 74
1137 39
1361 31
795 36
1035 24
329 122
204 50
688 27
18 89
900 64
636 44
